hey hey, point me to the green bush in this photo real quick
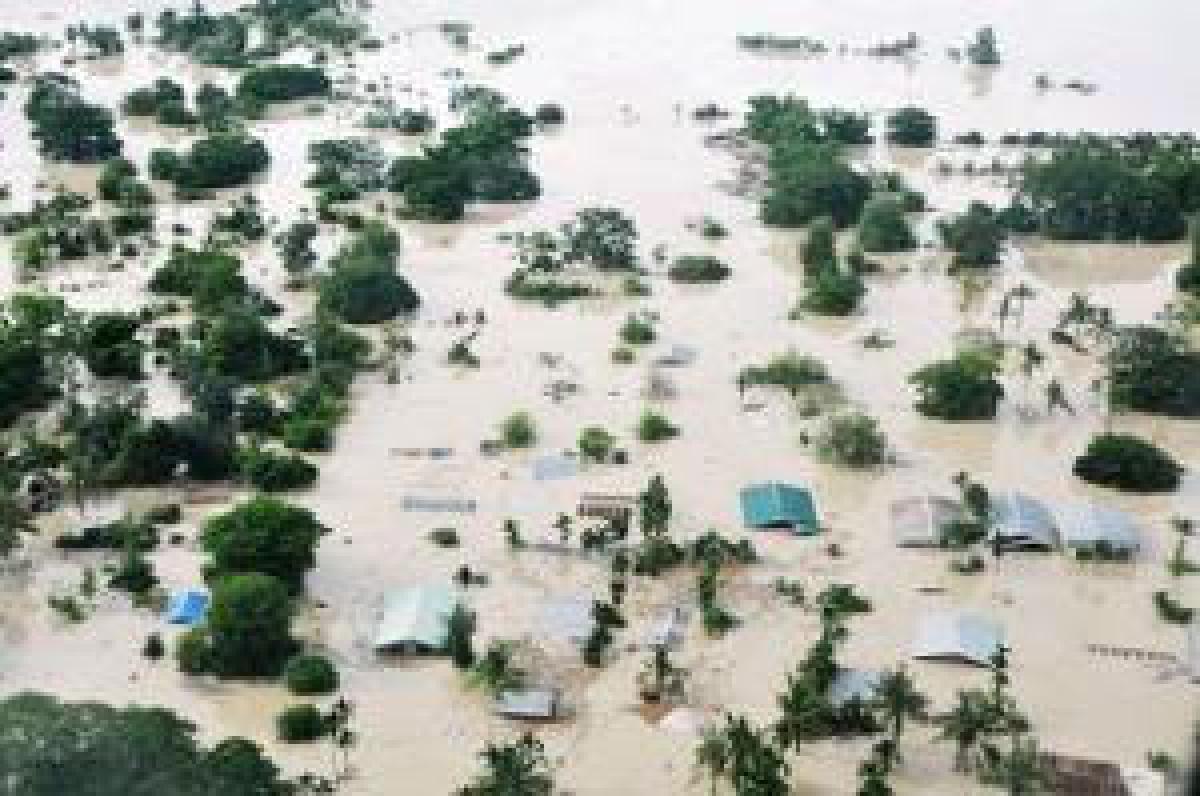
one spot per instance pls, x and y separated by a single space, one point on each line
637 331
1125 462
518 431
883 227
308 675
911 126
192 652
282 83
653 427
276 472
595 443
300 724
853 440
698 269
963 388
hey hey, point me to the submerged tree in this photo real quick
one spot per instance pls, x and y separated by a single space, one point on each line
515 769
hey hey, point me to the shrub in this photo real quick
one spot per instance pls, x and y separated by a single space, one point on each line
698 269
883 227
444 537
550 113
595 443
653 427
282 83
193 653
912 126
154 649
962 388
853 440
276 472
518 431
791 371
308 675
833 292
1125 462
1170 610
300 724
637 331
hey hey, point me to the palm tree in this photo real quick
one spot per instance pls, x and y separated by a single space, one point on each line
873 779
713 754
964 724
511 769
495 671
755 766
898 699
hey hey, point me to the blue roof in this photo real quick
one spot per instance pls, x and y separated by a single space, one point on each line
187 607
775 505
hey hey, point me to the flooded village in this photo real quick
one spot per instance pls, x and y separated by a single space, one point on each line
626 398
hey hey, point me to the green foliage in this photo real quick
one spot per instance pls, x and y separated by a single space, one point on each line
460 630
745 756
209 277
962 388
1091 190
835 292
276 472
66 126
637 331
264 85
517 768
790 371
1128 463
109 346
300 724
853 440
518 431
819 253
1170 610
911 126
975 237
363 286
222 160
698 269
495 671
984 51
1152 370
248 626
810 181
135 573
1187 278
238 344
52 748
883 227
263 535
653 427
601 237
596 444
309 675
775 120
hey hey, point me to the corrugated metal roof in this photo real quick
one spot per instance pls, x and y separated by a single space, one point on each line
1022 521
415 616
852 684
921 521
1086 524
958 636
775 504
529 703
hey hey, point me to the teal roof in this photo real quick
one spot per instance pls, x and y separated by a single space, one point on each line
776 505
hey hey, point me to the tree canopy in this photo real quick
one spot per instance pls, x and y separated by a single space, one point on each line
264 535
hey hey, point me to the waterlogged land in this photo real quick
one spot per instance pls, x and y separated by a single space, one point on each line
624 72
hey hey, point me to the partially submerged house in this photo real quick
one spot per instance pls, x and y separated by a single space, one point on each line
779 505
413 620
923 520
851 684
605 507
568 619
1019 522
187 607
528 704
1092 528
959 638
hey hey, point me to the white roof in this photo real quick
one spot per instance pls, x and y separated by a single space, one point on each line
851 684
1086 524
958 637
415 616
528 703
1018 519
920 521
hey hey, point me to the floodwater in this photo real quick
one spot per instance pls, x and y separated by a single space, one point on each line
419 726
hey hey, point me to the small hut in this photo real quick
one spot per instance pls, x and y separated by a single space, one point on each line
959 638
922 521
414 620
1020 522
528 704
779 505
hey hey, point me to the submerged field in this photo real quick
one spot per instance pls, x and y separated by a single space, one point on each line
628 76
